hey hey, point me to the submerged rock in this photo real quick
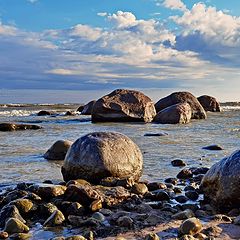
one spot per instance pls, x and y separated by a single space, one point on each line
220 184
44 113
178 163
58 150
7 127
178 113
213 147
102 154
124 105
180 97
209 103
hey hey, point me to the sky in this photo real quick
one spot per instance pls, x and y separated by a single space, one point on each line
151 45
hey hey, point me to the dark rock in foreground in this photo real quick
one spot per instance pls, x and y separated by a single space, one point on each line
209 103
6 127
177 113
180 97
87 109
58 150
221 183
124 105
102 154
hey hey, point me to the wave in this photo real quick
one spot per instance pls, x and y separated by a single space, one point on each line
230 108
15 113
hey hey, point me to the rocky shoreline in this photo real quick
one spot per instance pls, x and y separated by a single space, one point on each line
117 209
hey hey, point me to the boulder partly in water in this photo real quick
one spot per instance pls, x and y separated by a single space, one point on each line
102 154
8 127
124 105
220 184
180 97
209 103
87 109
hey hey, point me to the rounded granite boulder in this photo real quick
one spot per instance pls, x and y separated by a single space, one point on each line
209 103
102 154
123 105
220 184
198 111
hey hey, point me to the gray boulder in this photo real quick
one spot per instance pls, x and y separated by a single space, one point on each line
177 113
58 150
209 103
87 109
124 105
180 97
102 154
220 184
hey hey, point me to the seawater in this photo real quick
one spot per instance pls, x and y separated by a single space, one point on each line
21 152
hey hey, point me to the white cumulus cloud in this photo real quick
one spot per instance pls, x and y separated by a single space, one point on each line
175 5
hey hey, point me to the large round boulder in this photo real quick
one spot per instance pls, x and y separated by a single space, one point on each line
124 105
102 154
180 97
87 109
177 113
209 103
220 184
58 150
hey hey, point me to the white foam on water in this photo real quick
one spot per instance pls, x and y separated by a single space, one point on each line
16 113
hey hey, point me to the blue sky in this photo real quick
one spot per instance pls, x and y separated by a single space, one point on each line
144 44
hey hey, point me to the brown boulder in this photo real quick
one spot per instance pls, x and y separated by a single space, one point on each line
6 127
58 150
220 184
124 105
180 97
177 113
87 109
209 103
102 154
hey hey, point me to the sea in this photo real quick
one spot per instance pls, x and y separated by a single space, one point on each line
21 152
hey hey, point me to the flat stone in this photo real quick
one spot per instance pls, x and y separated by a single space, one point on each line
183 215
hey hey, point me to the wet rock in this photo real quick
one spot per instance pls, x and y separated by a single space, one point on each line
153 220
213 231
57 218
183 215
71 208
79 222
180 113
236 221
106 212
82 194
177 190
3 235
187 237
78 182
190 226
178 163
151 236
14 225
185 174
124 105
70 113
96 205
201 213
58 150
143 208
77 237
201 170
33 197
155 134
192 195
160 195
173 181
139 188
88 108
213 147
181 199
125 221
103 154
220 184
23 205
99 216
48 191
20 236
156 186
113 181
201 236
10 211
234 212
193 207
209 103
47 209
7 127
16 194
44 113
181 97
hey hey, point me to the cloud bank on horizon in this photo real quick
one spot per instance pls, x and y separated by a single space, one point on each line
196 47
